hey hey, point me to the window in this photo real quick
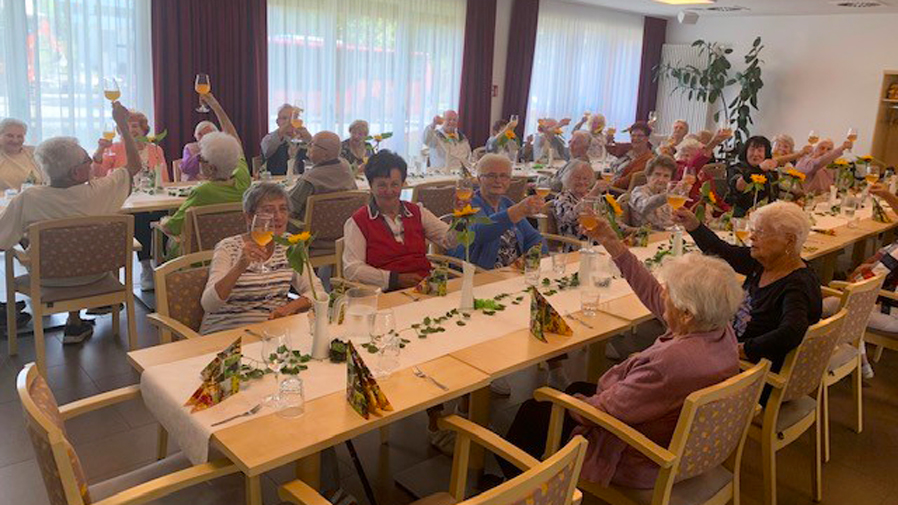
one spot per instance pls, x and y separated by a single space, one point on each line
54 55
586 59
394 63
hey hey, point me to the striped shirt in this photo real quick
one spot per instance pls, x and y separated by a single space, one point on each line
255 294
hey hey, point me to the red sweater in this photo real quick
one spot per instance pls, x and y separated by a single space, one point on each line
384 252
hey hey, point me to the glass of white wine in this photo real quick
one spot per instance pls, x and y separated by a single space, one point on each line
742 229
677 194
464 192
813 138
109 131
851 136
111 89
262 234
543 189
202 85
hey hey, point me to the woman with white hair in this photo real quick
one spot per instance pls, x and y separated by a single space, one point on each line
190 158
696 303
17 163
782 294
579 182
784 150
596 129
110 156
356 149
819 178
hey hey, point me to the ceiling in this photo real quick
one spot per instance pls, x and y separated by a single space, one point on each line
756 7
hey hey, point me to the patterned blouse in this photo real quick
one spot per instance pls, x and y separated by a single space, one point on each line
347 154
508 249
567 210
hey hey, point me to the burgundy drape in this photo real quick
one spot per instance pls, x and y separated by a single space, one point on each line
653 35
519 65
228 41
477 71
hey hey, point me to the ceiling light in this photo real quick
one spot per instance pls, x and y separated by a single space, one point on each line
686 2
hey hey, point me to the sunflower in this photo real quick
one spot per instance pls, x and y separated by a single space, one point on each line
378 138
613 203
465 212
795 173
758 179
712 197
842 162
558 131
509 134
299 237
866 159
452 136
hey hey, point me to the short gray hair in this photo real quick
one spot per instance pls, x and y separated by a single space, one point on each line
57 156
782 137
661 161
258 193
222 152
576 165
11 121
284 106
493 159
704 286
201 125
358 122
689 143
784 218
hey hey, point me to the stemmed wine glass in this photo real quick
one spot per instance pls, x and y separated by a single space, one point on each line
851 136
742 229
677 194
274 354
111 89
813 138
464 192
262 233
543 189
202 86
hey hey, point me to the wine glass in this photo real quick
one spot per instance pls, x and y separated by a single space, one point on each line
851 136
384 337
274 355
464 192
742 229
813 138
109 131
262 233
111 89
543 189
689 177
202 86
677 193
652 118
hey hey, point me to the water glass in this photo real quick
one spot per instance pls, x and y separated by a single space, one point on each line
293 398
531 272
849 207
559 264
274 355
384 337
590 295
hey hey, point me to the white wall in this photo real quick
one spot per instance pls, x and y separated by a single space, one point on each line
819 72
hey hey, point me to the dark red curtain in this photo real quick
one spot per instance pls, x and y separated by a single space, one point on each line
519 65
477 71
228 41
653 35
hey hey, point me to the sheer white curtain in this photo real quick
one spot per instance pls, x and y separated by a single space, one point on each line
55 55
586 59
394 63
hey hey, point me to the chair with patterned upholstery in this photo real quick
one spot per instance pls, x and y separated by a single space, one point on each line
64 249
701 465
517 190
209 224
881 339
325 216
179 291
437 197
550 482
859 299
790 409
176 170
168 480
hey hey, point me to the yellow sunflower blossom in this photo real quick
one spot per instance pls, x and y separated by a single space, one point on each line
712 198
558 131
795 173
758 179
465 212
378 138
299 237
866 159
842 162
509 134
452 136
614 205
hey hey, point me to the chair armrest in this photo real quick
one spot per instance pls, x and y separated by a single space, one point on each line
300 493
168 484
840 285
561 238
830 291
661 456
102 400
20 254
452 261
489 440
349 284
888 294
166 323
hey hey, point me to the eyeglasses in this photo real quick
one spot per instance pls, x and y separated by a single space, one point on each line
501 177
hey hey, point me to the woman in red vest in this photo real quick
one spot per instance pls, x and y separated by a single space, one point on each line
385 241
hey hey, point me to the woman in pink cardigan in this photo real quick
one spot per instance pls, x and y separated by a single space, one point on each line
697 303
109 156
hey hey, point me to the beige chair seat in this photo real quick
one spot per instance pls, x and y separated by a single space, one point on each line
842 355
699 489
441 498
107 284
791 413
886 334
120 483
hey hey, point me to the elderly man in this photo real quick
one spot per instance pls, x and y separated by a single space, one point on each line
329 173
579 151
278 147
71 193
16 159
449 148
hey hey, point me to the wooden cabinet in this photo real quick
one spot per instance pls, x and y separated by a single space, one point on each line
885 132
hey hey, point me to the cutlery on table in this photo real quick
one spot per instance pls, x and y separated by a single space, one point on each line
419 373
249 412
413 297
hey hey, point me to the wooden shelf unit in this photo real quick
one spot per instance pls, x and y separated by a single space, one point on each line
885 132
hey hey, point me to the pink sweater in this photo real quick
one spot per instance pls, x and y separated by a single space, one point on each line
647 390
115 157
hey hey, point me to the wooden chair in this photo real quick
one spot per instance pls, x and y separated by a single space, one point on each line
790 409
478 153
701 465
325 216
437 197
858 299
66 248
257 166
552 481
179 291
636 180
61 468
881 339
176 170
517 190
204 226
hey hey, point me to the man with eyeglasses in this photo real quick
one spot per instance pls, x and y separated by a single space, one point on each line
71 193
329 173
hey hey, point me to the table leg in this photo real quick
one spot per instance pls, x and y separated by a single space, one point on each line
828 267
308 470
254 490
480 414
596 362
859 253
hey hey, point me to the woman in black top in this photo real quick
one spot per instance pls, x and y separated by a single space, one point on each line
755 159
782 294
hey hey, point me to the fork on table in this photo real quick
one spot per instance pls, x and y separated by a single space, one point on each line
249 412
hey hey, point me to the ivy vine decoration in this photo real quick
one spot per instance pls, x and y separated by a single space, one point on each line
664 251
378 139
372 348
561 284
293 363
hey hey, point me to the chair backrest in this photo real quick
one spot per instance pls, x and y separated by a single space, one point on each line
59 464
176 170
714 422
552 482
716 170
212 223
179 288
517 190
637 179
478 153
549 224
805 365
437 197
858 299
338 251
257 165
327 213
81 246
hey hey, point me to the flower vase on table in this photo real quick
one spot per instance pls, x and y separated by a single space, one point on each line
318 325
463 221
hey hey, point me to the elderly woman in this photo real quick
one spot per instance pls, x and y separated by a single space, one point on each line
356 149
549 143
784 150
782 294
501 130
579 183
632 157
385 241
596 129
279 147
819 178
509 235
648 203
17 163
110 156
238 291
755 159
697 303
190 158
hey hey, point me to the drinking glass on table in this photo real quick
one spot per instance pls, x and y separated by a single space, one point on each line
532 270
590 295
292 397
559 263
202 85
111 89
849 207
385 338
262 233
274 355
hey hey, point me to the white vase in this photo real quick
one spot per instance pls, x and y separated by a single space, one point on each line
467 287
318 324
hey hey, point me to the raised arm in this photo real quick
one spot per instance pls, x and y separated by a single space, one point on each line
120 114
226 125
738 257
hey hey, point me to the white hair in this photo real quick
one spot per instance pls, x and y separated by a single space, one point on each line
782 137
201 125
57 156
576 166
222 152
784 218
258 193
10 121
493 159
689 143
357 123
704 286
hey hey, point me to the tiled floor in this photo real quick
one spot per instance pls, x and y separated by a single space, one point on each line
119 439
